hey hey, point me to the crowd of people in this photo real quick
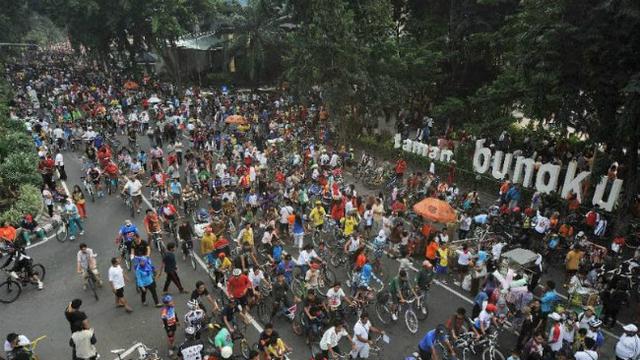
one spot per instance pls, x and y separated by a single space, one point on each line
257 184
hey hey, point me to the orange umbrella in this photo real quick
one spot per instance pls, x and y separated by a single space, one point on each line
236 119
131 85
435 210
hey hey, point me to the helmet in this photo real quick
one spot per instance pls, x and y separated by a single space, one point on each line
189 330
490 308
226 352
580 234
595 323
203 213
516 210
192 304
441 330
127 222
237 272
427 264
167 299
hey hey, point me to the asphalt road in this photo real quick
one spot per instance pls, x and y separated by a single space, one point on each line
41 312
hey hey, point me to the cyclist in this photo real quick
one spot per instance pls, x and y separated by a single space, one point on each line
86 261
279 294
286 267
151 223
364 279
237 287
133 188
424 279
194 318
317 215
314 313
484 320
200 292
361 337
111 171
256 276
222 266
95 176
168 214
185 231
21 263
399 287
192 348
331 338
223 342
333 304
127 232
458 323
427 348
270 344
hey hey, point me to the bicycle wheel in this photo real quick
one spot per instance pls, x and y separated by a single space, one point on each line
91 282
127 262
192 258
383 312
39 271
296 325
329 277
60 230
245 349
411 320
9 291
422 312
492 353
337 259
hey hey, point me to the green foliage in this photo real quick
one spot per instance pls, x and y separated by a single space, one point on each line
17 169
29 201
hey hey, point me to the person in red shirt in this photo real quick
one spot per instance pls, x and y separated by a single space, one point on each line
401 167
337 211
592 218
46 168
104 155
237 287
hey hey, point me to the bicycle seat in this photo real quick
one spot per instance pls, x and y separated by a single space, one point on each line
117 351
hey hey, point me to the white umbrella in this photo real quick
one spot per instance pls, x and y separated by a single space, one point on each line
154 100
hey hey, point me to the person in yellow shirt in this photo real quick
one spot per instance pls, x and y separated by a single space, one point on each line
245 237
350 224
443 261
206 245
317 215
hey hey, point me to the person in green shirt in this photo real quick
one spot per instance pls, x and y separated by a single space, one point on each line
222 338
399 287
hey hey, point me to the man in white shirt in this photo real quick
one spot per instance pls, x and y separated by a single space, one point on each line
133 188
361 340
628 347
335 295
331 338
587 353
285 211
117 279
59 161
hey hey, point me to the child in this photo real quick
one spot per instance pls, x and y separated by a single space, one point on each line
170 321
442 261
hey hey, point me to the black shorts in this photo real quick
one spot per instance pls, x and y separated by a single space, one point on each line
242 300
463 269
120 293
171 330
284 228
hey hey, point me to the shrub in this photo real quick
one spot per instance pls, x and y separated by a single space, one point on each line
29 201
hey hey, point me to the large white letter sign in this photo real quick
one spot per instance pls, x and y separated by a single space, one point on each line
481 166
434 151
498 171
418 148
446 155
613 194
549 186
406 145
573 183
397 141
525 164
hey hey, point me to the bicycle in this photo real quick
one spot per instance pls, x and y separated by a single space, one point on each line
470 346
92 283
59 227
11 288
190 254
124 255
89 188
384 311
156 238
128 201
